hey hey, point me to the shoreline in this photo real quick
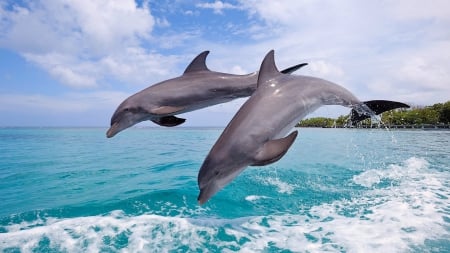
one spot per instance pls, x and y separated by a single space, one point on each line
397 127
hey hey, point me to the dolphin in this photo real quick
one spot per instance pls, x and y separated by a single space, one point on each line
197 88
256 135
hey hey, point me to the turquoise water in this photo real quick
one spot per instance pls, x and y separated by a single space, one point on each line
336 190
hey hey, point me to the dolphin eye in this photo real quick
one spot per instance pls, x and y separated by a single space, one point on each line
131 110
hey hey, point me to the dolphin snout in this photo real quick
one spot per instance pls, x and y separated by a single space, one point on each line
207 192
201 199
113 130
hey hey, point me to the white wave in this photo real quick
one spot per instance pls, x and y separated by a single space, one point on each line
412 170
283 187
92 234
390 219
252 198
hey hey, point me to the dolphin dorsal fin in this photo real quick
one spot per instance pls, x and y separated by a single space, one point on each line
268 68
198 64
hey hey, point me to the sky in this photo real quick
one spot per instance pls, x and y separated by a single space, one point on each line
71 62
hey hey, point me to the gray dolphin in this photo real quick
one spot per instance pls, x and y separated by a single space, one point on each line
197 88
256 134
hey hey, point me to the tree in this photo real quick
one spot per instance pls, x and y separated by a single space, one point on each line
316 122
432 115
444 114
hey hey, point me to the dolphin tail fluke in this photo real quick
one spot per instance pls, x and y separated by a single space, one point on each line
294 68
273 150
377 106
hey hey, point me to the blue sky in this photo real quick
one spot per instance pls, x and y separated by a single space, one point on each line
70 63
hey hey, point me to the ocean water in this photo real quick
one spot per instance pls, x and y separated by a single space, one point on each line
336 190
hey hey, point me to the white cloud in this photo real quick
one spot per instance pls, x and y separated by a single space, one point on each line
172 40
323 68
114 20
421 75
410 10
65 103
67 75
136 65
75 26
67 68
71 39
217 6
360 45
238 70
68 109
162 22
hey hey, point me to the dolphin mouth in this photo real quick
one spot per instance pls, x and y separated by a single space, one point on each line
207 192
202 198
113 130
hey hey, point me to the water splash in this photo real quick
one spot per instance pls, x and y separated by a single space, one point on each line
402 215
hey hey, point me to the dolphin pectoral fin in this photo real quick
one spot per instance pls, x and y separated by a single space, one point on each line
377 106
167 110
292 69
273 150
169 121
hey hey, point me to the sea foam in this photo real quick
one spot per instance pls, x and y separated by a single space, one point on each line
404 214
